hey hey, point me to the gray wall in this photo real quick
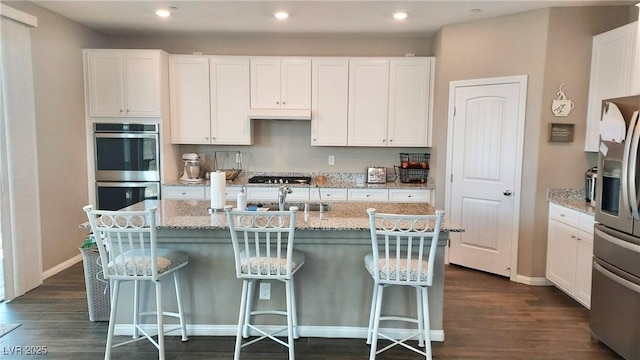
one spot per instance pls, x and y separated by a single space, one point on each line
551 46
57 46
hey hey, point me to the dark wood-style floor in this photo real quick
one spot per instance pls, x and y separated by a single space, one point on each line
486 317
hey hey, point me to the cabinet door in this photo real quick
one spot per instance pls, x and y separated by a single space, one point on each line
409 93
189 96
368 102
104 80
562 251
265 83
230 124
612 58
295 83
329 102
584 265
266 194
142 83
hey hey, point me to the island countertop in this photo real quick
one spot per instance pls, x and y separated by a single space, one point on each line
333 287
194 215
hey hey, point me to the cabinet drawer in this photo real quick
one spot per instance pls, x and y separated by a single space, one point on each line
565 215
262 194
297 194
368 195
328 194
404 195
183 192
586 222
231 193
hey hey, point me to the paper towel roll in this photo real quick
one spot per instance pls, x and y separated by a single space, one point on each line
218 189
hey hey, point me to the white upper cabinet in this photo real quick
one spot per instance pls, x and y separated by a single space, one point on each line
189 94
329 102
390 102
280 83
229 88
368 102
410 102
123 83
614 74
209 100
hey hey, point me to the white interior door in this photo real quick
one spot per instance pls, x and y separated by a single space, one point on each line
484 162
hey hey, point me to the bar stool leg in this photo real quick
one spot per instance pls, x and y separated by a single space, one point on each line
112 318
290 315
419 303
136 308
376 323
241 319
427 324
294 315
160 319
372 313
251 289
183 326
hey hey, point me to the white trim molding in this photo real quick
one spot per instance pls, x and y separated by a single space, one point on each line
17 15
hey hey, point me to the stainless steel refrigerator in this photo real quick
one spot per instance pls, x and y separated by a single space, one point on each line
615 288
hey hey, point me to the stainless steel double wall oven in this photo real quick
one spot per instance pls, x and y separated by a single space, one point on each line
127 163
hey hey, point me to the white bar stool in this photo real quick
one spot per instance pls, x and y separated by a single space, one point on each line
128 250
263 250
403 254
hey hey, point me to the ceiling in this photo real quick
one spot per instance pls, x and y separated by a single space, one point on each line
306 16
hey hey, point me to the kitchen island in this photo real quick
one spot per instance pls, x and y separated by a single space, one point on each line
333 287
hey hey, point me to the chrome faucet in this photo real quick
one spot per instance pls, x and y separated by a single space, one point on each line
283 190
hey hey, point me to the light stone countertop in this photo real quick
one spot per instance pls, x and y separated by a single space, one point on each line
570 198
194 215
333 180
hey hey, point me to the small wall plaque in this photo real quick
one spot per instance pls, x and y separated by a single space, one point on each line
561 132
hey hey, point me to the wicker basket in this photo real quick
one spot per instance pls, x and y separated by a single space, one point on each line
98 292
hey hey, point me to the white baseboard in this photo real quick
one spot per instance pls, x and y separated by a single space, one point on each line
62 266
305 331
533 281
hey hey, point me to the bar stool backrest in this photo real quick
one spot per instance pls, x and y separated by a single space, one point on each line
127 243
263 243
404 247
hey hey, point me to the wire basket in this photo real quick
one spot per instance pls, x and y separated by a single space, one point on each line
412 175
230 173
98 294
414 161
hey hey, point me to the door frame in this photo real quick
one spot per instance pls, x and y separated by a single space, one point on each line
453 86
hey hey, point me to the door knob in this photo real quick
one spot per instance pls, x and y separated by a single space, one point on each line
507 193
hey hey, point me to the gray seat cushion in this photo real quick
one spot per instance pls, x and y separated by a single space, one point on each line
406 269
278 265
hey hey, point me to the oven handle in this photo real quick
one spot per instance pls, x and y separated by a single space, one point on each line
623 282
126 136
614 240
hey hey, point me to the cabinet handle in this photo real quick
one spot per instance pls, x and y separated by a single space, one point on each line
127 111
573 236
561 215
390 140
368 195
184 193
277 102
121 111
283 103
384 140
409 195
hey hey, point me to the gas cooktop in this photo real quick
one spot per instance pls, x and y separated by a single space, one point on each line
280 180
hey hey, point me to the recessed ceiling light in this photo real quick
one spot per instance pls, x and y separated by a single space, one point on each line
163 13
400 15
281 15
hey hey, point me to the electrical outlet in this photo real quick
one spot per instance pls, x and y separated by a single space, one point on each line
332 160
201 156
265 291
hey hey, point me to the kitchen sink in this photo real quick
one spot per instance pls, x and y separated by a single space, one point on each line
311 206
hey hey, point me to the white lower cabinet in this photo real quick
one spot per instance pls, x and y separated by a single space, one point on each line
378 195
410 196
327 194
183 192
570 252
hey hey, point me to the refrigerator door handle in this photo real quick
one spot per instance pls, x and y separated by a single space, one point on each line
623 282
625 165
633 168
